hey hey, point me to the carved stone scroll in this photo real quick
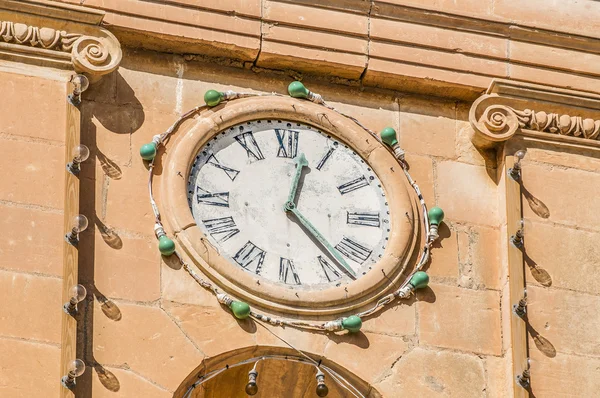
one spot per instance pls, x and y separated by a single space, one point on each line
501 113
94 55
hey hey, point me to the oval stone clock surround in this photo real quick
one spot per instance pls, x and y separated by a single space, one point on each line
385 274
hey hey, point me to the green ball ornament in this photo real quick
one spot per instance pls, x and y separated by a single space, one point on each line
388 136
148 151
166 246
240 309
353 323
419 280
213 97
436 216
297 90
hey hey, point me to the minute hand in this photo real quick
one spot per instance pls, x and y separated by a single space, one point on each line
307 224
301 162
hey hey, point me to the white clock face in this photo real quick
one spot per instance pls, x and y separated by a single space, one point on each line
333 231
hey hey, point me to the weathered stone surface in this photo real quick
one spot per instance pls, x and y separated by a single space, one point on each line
148 341
564 375
35 232
19 92
444 253
37 178
461 319
569 320
107 381
212 329
395 320
178 286
31 306
313 343
28 369
129 270
427 127
365 354
479 253
575 249
551 185
472 197
434 373
498 375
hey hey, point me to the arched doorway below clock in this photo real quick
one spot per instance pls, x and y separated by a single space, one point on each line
282 373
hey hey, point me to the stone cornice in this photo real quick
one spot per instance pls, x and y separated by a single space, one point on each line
551 114
58 35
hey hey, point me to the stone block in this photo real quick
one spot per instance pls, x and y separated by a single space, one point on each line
33 241
108 382
19 93
444 253
564 375
569 320
317 39
148 341
570 249
31 306
458 61
128 204
430 373
479 252
555 187
393 320
461 319
33 173
427 127
581 158
344 23
212 329
554 78
178 286
28 369
278 55
467 193
435 37
129 270
313 343
366 355
499 377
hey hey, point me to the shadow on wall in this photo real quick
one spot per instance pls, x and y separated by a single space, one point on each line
112 104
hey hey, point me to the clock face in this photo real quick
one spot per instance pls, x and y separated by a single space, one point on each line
332 229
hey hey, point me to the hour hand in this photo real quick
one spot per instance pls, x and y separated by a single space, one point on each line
300 162
318 236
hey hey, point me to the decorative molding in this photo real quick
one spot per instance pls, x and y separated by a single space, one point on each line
507 109
84 47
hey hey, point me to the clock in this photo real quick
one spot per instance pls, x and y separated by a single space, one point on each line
289 206
289 203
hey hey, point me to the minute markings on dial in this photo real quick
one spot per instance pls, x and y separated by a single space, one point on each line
364 218
210 198
248 142
231 173
221 228
288 143
287 272
250 257
353 185
353 250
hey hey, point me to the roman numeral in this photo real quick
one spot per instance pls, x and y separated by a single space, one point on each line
324 159
214 199
250 257
330 273
248 142
353 185
221 228
366 219
353 250
288 143
287 272
231 173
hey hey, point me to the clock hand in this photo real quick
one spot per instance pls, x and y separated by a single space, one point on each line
314 232
300 161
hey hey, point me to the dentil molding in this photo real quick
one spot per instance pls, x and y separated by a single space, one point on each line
551 114
58 35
